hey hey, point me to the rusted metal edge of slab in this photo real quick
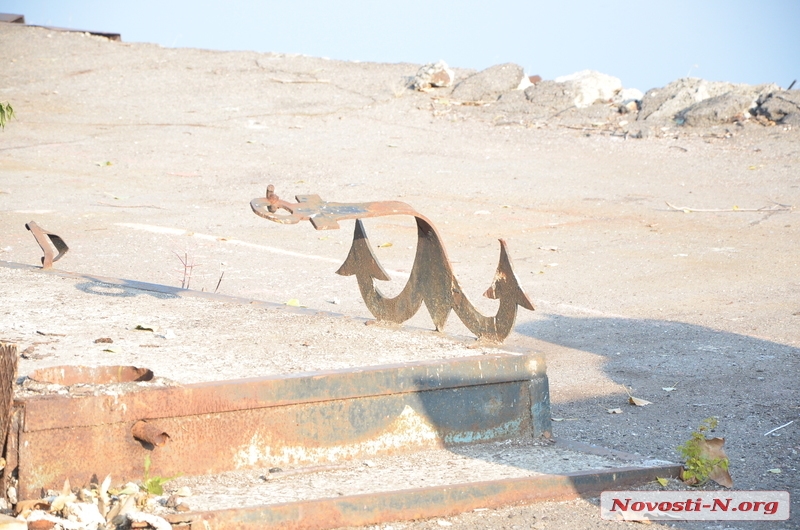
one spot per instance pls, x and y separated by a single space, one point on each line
12 18
57 411
421 503
108 35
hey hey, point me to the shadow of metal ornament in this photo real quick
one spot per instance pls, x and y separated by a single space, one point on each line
431 282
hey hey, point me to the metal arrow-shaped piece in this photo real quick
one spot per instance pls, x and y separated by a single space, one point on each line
431 280
44 239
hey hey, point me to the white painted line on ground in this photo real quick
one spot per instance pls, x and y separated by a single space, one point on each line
220 239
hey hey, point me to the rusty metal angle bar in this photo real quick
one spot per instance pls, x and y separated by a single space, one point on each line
432 280
44 239
421 503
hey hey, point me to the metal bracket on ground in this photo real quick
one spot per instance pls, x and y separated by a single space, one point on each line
44 238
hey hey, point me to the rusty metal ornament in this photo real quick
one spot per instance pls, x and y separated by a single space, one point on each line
431 282
44 238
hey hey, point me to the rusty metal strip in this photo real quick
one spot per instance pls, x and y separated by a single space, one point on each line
44 238
8 380
109 35
421 503
11 453
432 280
56 411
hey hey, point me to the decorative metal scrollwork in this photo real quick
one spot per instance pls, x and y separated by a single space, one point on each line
431 282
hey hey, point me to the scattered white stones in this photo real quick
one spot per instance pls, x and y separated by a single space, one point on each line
65 524
159 523
86 514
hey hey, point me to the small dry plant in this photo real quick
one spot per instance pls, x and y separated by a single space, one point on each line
188 268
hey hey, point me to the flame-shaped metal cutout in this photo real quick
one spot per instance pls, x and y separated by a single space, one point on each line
431 281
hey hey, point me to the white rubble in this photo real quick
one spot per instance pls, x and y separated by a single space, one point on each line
590 87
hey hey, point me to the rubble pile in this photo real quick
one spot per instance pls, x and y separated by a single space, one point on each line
587 97
99 506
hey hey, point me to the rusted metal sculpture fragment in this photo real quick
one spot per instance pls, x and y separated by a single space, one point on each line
44 238
432 280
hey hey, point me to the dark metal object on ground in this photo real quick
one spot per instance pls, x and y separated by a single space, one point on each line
432 280
43 238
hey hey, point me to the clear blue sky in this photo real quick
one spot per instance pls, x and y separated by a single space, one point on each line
645 43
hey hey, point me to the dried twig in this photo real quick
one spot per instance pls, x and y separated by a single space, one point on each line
773 208
188 268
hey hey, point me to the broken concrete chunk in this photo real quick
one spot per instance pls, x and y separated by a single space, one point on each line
727 108
489 84
664 104
591 87
433 75
551 95
781 106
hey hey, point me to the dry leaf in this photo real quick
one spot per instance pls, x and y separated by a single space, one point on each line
663 481
294 302
711 449
638 402
31 504
140 327
61 501
614 411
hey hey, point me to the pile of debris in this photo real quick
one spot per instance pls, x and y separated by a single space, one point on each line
590 95
98 506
